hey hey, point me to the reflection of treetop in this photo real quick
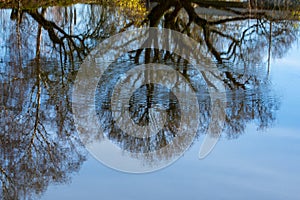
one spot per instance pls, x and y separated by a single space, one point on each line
37 136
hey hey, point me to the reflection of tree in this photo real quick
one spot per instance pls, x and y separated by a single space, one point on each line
67 41
67 34
72 44
37 142
37 136
242 39
141 102
239 43
232 34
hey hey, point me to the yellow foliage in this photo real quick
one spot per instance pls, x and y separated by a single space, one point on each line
134 9
296 14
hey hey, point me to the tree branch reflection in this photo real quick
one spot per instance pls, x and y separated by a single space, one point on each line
37 135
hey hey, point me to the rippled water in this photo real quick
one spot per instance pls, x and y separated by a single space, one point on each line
255 163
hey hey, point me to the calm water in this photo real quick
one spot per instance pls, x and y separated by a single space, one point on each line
43 156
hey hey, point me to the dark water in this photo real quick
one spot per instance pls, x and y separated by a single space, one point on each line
257 62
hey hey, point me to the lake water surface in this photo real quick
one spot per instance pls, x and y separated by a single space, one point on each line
254 61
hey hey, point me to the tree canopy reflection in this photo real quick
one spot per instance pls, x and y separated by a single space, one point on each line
43 48
38 141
